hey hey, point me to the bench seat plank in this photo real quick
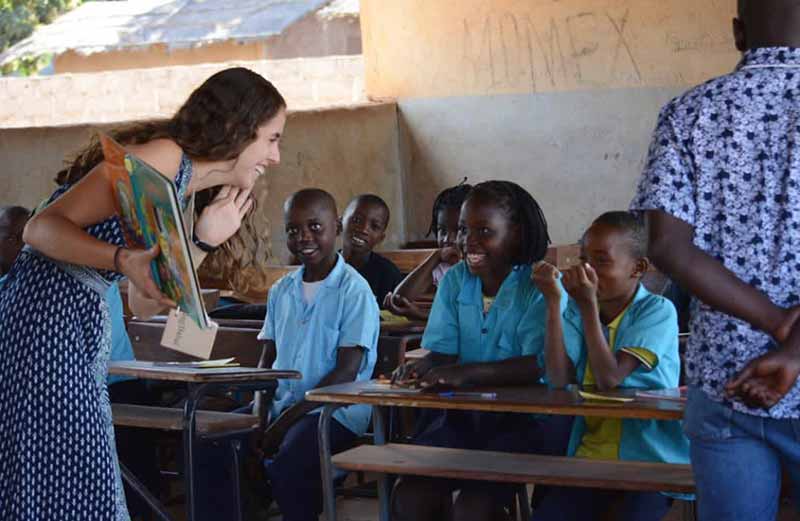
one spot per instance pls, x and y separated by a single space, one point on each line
506 467
171 419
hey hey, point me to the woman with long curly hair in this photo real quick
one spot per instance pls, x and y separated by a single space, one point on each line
57 454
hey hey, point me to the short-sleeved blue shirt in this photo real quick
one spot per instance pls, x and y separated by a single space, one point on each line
121 348
513 327
344 313
648 331
724 159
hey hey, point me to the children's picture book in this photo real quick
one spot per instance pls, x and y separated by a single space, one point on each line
147 203
677 394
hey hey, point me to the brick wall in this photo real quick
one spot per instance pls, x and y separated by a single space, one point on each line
76 99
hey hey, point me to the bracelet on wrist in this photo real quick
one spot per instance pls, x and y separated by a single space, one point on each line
203 245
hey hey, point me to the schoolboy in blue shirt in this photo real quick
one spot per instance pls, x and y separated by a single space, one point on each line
486 327
614 333
323 321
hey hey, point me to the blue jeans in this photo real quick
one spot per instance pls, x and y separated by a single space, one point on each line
737 460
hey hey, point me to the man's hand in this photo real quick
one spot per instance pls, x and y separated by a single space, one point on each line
766 380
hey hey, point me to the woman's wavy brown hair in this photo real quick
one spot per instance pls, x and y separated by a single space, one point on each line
218 120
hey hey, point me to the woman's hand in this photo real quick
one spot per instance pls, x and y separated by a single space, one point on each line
222 218
545 277
135 265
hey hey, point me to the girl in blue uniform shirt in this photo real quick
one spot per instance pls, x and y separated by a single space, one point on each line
486 327
614 333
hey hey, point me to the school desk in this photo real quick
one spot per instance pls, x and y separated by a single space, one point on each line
531 399
199 381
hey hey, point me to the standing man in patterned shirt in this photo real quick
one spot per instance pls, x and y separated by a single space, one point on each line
721 191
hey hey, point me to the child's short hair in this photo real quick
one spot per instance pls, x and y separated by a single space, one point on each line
310 194
371 199
523 210
632 224
452 197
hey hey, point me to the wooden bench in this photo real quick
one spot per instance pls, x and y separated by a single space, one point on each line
402 459
171 419
241 343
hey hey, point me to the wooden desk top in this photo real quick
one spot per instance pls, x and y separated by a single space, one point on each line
176 373
411 327
533 399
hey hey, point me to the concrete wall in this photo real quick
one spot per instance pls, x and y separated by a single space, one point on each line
346 151
72 99
578 153
457 47
558 95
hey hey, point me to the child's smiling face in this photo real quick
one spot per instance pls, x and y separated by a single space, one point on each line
609 251
487 239
311 231
447 227
364 226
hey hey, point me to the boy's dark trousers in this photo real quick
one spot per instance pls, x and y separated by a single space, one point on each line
294 472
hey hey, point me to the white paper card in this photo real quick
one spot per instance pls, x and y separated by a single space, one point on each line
183 334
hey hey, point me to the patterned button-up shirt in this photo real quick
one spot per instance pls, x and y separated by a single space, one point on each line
725 158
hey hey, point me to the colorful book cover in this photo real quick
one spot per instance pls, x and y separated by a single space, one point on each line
147 204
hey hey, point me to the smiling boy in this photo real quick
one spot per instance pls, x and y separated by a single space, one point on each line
322 320
364 222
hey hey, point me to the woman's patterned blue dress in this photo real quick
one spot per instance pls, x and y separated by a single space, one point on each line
57 455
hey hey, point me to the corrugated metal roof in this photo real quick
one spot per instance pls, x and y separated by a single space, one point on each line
102 26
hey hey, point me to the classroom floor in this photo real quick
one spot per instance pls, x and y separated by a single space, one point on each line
366 509
359 509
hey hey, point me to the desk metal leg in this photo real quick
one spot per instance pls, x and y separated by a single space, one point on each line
137 486
326 467
384 482
189 427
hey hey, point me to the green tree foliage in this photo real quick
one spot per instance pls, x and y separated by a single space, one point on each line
19 18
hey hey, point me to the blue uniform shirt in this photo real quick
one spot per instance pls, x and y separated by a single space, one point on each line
121 348
514 325
344 313
649 331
